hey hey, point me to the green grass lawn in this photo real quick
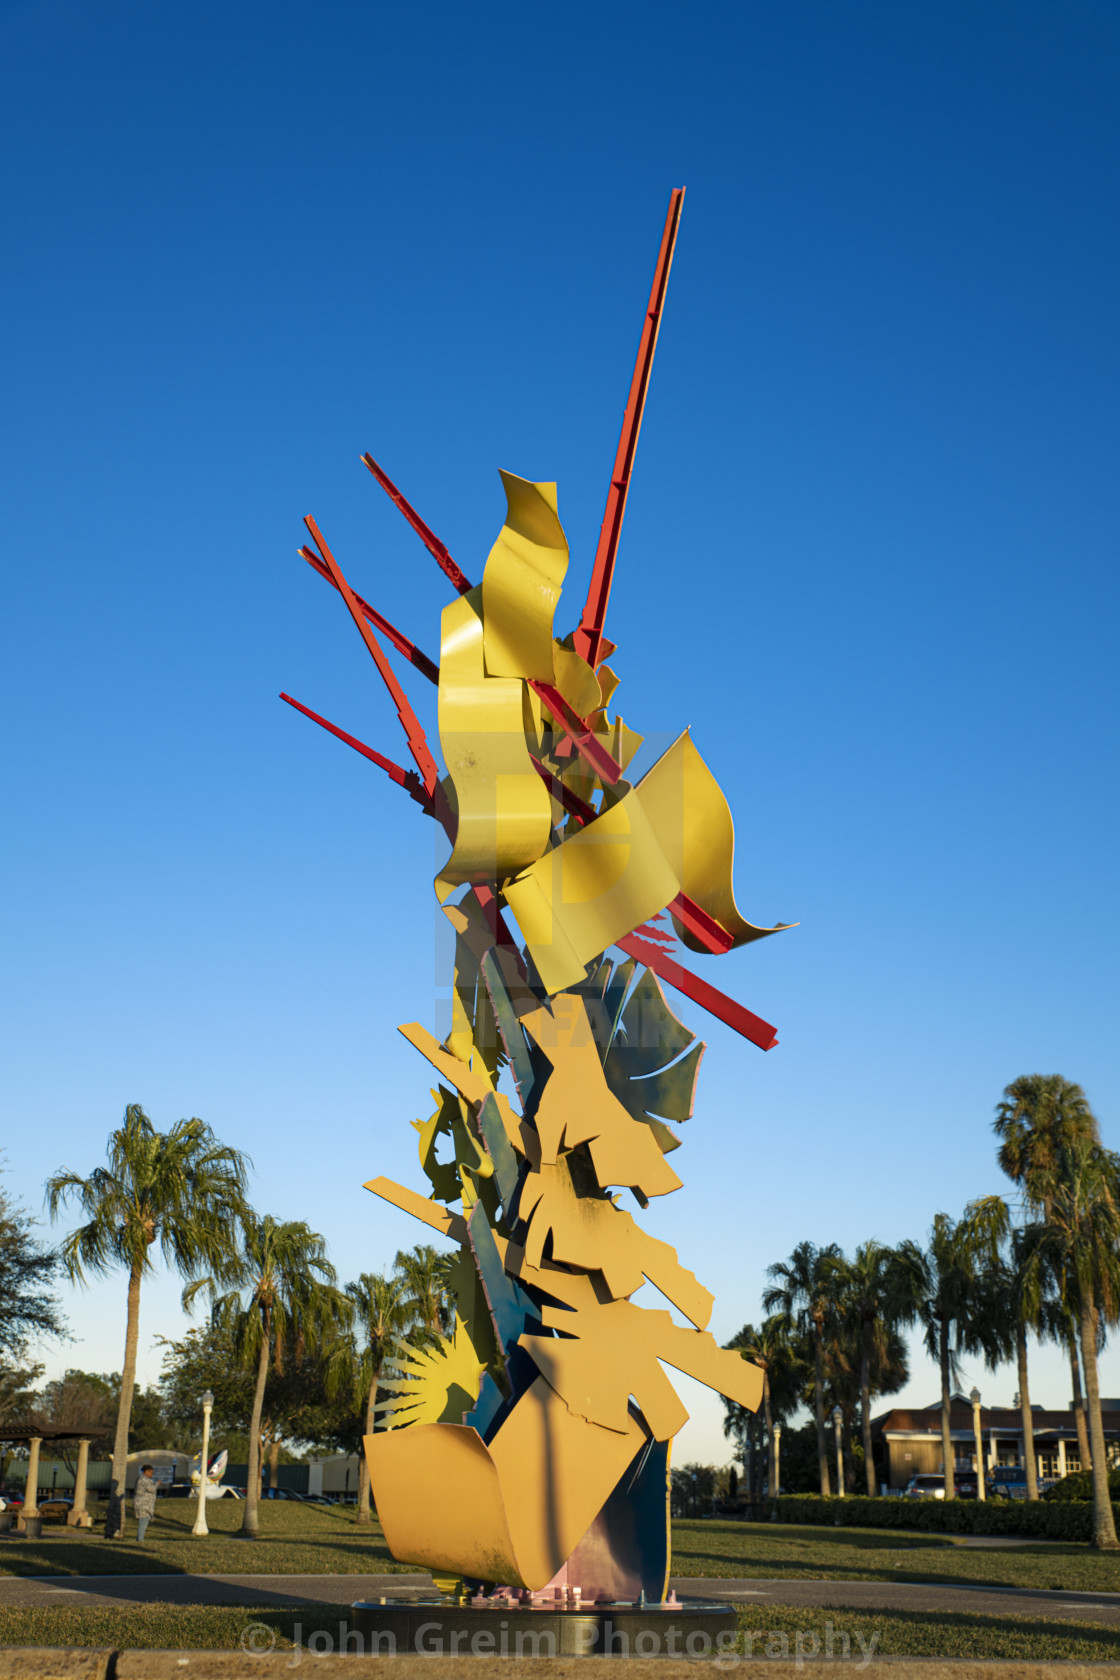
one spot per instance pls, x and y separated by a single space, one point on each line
294 1540
771 1632
324 1540
779 1631
311 1540
789 1550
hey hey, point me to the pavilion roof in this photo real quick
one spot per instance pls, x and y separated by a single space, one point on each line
31 1429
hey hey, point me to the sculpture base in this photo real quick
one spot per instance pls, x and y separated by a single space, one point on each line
514 1627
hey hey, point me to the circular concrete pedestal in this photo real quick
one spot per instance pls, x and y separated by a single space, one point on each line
691 1627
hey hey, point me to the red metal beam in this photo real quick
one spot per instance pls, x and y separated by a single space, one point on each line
427 537
417 740
427 667
407 779
589 637
585 741
725 1009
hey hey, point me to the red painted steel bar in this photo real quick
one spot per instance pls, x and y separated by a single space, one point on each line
589 636
407 779
427 667
428 537
585 741
417 740
725 1009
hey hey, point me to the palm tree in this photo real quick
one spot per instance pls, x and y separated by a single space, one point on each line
771 1349
1040 1118
181 1191
423 1272
946 1278
383 1313
284 1299
803 1294
1082 1236
879 1297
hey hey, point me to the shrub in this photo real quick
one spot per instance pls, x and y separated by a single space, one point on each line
1079 1486
1071 1520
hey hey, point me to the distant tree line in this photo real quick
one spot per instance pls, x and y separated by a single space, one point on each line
294 1359
1045 1262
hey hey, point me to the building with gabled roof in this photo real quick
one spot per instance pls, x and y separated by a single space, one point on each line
907 1441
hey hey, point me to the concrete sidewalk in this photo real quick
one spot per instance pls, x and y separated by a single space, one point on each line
285 1591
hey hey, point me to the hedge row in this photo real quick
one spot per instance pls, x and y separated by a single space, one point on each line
1079 1485
953 1516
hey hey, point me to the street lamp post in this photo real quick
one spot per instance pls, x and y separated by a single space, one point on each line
981 1491
837 1420
775 1472
200 1527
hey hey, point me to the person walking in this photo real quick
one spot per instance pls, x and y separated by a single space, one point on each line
144 1501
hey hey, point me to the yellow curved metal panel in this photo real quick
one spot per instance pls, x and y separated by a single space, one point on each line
503 809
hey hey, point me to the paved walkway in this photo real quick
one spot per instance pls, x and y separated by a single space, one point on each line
284 1591
913 1595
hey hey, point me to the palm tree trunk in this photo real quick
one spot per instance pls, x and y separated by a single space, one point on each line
114 1516
948 1455
822 1441
768 1423
865 1407
849 1483
1079 1403
364 1515
1025 1413
250 1522
1104 1527
274 1463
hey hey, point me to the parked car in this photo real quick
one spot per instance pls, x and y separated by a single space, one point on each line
925 1486
281 1493
1009 1481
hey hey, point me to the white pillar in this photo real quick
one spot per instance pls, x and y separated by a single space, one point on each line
1062 1456
31 1487
80 1477
978 1437
200 1527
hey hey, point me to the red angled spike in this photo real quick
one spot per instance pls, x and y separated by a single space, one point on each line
417 740
407 779
428 537
427 667
589 639
725 1009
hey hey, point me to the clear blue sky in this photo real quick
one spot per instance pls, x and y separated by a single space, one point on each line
870 556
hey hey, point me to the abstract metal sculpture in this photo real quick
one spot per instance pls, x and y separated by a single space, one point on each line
530 1446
